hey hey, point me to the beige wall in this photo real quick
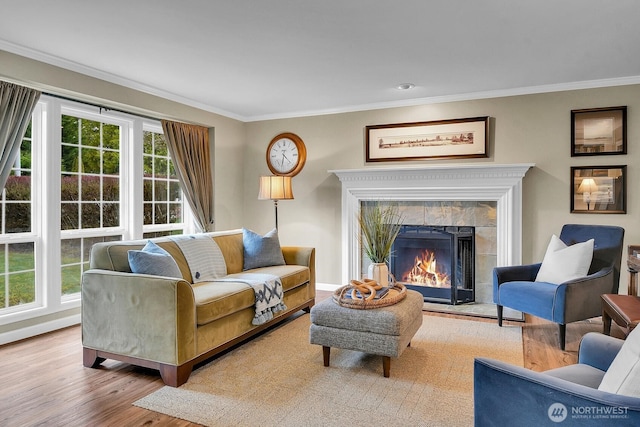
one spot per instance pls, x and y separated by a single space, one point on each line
531 128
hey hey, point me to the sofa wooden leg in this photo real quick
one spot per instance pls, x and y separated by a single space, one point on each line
386 366
326 355
175 376
90 358
562 333
499 315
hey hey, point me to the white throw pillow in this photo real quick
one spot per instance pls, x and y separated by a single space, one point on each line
623 375
562 263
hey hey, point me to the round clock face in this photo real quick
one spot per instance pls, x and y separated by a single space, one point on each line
286 154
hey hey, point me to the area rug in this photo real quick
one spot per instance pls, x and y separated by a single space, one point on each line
279 379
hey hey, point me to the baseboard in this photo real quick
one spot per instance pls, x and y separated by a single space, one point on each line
326 287
41 328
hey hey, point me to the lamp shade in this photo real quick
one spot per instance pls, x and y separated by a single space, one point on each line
275 188
588 185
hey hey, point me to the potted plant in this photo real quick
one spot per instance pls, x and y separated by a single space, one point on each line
379 227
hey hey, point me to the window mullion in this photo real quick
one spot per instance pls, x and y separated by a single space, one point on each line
133 194
50 220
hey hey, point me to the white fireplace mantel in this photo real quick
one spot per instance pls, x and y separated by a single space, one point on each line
466 182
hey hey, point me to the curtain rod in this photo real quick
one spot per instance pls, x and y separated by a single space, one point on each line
102 107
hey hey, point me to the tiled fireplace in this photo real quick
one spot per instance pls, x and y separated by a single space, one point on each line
484 197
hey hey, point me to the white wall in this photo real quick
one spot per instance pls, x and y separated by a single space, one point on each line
524 129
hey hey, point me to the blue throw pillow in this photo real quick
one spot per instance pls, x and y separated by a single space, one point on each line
152 259
261 251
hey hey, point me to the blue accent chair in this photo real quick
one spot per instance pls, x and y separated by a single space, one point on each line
508 395
515 286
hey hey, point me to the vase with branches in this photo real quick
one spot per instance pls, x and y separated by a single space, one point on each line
379 227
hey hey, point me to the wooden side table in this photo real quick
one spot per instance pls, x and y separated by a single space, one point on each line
622 309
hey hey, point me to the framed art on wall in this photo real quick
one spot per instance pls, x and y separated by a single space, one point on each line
456 138
599 189
599 131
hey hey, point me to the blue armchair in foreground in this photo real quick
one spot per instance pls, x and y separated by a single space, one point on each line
508 395
564 301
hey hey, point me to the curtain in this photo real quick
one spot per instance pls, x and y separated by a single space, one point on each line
189 149
16 105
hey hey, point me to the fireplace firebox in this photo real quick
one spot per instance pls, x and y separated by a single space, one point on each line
437 261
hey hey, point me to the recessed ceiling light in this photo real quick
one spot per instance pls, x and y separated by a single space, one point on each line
405 86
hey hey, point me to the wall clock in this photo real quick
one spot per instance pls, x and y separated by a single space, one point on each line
286 154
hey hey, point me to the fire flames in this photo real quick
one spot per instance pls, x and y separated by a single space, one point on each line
425 272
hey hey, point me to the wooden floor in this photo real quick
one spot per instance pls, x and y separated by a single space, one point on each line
43 382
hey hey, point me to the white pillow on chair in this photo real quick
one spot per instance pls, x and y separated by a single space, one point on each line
562 263
623 375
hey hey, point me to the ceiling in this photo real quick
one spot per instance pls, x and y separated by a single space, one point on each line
255 60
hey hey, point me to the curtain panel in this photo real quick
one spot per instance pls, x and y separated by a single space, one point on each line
16 106
189 149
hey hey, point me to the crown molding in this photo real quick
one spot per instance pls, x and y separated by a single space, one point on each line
135 85
111 78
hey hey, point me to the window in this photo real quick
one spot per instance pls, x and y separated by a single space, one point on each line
91 194
90 169
89 190
162 194
17 247
16 197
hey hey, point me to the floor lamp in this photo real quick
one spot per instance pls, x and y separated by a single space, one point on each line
275 188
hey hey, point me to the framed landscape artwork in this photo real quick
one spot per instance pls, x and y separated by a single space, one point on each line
599 189
599 131
456 138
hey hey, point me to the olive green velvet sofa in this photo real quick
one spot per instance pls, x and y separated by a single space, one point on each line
171 324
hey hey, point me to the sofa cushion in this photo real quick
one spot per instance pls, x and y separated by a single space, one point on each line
291 276
152 259
215 300
261 251
623 375
562 263
540 299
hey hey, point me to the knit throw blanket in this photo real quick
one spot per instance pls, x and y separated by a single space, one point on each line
268 292
203 256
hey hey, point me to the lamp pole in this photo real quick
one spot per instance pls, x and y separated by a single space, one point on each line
275 204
